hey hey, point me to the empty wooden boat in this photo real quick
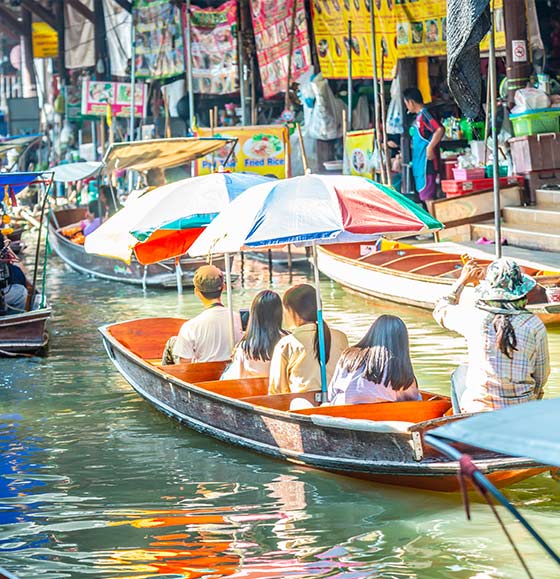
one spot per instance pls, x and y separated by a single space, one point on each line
380 442
416 276
25 333
160 274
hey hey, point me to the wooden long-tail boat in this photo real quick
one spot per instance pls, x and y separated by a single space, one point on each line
381 442
25 333
160 274
417 276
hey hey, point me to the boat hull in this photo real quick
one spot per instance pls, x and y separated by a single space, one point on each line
161 274
403 287
362 448
25 334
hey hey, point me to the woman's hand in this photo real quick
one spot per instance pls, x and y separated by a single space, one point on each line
471 272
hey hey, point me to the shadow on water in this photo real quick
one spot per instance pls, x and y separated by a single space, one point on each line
94 482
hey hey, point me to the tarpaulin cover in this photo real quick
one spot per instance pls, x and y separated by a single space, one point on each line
76 171
528 430
17 143
16 182
159 153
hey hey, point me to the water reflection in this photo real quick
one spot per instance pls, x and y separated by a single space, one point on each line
96 483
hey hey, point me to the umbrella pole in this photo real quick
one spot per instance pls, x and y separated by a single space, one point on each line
320 328
229 292
144 276
179 276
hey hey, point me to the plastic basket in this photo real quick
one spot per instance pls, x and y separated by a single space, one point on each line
468 174
455 188
535 122
502 171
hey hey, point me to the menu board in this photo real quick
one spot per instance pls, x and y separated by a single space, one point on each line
403 29
262 149
214 49
272 23
97 96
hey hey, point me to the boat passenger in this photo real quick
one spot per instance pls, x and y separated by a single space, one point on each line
508 359
252 355
205 338
377 368
92 220
13 283
295 362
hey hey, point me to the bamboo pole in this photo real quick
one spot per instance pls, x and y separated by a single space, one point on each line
385 162
302 147
290 54
132 77
349 90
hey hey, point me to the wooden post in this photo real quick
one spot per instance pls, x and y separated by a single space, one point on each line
27 69
60 27
290 53
518 67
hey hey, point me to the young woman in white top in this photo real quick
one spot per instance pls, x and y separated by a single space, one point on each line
377 368
252 355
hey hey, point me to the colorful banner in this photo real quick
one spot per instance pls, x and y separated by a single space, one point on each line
358 153
44 40
403 29
272 24
214 49
159 39
97 96
73 102
264 150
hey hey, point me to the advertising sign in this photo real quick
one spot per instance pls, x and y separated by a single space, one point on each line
44 40
214 49
97 96
159 39
358 153
272 23
262 149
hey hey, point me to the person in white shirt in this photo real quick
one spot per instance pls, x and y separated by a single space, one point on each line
252 355
207 337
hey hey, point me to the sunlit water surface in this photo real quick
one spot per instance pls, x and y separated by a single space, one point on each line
96 483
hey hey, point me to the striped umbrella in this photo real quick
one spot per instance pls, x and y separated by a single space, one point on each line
313 210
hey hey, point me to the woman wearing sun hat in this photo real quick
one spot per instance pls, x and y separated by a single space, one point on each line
508 360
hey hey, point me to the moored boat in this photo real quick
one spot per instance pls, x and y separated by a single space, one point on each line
381 442
160 274
25 333
416 276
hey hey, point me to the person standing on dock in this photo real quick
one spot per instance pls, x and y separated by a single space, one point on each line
508 359
426 133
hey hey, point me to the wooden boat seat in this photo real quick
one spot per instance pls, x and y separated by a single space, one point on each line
238 389
280 401
417 411
146 337
197 372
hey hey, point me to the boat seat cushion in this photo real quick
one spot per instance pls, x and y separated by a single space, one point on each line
417 411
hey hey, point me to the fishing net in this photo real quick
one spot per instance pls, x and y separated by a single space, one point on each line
468 21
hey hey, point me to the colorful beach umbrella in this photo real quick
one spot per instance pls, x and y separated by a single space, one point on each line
313 210
164 222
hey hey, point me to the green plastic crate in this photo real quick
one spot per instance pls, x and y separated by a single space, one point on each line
536 122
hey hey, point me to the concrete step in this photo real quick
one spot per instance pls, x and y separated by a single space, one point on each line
541 237
532 216
548 197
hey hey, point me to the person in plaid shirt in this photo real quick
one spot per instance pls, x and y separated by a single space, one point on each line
508 359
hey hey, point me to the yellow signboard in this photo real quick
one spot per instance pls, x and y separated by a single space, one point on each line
44 40
358 153
403 29
261 149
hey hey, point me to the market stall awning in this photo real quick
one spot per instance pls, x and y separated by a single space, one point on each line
18 142
16 182
76 171
528 430
161 153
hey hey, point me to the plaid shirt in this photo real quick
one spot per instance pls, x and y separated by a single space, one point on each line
493 380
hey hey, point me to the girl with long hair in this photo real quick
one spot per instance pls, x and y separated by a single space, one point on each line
377 368
295 363
252 355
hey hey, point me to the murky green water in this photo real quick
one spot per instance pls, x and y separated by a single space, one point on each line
95 483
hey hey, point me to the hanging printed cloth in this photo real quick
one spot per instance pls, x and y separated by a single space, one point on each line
468 21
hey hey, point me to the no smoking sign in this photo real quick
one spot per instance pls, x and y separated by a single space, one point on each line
519 50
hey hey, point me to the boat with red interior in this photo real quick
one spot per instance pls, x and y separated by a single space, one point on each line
381 442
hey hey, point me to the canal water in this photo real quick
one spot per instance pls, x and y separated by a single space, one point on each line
95 483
